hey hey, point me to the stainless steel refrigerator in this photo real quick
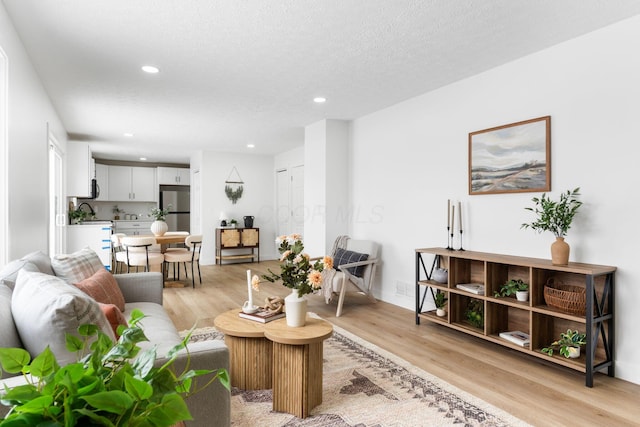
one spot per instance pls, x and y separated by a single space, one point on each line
178 196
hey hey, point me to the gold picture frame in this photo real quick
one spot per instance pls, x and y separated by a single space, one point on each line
514 158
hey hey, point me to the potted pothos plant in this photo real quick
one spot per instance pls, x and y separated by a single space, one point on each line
514 287
569 344
440 299
112 384
556 217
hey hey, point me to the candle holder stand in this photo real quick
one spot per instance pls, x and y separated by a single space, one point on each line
449 240
461 249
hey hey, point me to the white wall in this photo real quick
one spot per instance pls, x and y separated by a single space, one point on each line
29 112
257 198
407 160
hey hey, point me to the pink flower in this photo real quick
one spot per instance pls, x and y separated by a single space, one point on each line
285 254
297 259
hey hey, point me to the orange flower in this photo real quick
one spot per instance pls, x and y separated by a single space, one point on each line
315 279
328 262
255 282
285 254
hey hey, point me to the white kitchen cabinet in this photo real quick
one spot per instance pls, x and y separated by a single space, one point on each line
79 169
128 183
173 176
97 236
102 178
133 228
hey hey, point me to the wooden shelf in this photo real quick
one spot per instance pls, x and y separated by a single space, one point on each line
542 322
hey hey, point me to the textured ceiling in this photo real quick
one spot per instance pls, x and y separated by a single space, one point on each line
235 72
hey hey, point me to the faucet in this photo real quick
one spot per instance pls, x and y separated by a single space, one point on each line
93 213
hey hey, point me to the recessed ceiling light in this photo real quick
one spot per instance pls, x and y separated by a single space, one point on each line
251 146
150 69
128 134
143 158
319 99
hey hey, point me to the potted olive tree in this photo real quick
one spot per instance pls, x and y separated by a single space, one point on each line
555 216
514 287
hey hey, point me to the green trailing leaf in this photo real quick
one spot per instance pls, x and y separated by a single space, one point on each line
13 360
114 401
44 364
138 389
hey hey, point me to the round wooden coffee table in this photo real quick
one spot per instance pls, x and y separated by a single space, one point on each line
250 352
297 364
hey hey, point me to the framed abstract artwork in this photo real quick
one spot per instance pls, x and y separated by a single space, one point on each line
513 158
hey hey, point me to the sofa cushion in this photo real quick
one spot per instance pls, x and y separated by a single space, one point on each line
103 288
76 267
157 326
8 334
45 308
9 272
114 316
343 256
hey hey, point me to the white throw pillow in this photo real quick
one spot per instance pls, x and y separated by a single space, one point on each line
75 267
45 308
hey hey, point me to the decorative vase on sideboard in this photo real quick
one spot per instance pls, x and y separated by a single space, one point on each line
158 228
296 309
560 252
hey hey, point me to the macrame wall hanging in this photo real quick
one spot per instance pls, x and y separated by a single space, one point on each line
233 187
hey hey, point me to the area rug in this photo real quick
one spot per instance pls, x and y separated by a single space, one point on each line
366 386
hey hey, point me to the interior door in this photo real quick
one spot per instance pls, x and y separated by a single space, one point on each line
297 199
57 214
283 213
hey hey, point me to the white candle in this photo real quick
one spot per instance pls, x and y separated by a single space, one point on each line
448 211
453 216
249 288
459 216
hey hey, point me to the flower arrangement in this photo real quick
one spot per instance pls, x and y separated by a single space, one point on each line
296 268
160 214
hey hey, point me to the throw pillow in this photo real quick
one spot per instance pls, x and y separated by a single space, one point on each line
102 287
8 334
114 316
45 308
76 267
344 256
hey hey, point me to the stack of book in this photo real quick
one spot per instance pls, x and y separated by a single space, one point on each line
474 288
262 315
516 337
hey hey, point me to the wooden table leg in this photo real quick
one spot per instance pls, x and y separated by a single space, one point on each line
250 362
297 378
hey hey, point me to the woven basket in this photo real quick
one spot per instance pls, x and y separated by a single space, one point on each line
569 298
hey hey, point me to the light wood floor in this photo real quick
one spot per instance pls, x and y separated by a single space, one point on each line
530 389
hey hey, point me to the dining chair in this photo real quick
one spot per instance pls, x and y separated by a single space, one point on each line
191 255
138 253
118 256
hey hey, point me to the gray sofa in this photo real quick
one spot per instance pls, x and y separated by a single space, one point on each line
209 407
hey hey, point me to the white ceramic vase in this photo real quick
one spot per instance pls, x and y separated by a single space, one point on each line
158 228
441 312
574 352
296 309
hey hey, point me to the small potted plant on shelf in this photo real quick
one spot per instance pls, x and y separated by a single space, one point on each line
514 287
233 223
159 226
77 216
569 344
440 301
475 313
555 216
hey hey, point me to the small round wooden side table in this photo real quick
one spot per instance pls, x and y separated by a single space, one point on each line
250 353
297 364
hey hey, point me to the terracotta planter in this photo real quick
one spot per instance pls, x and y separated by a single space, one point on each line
560 252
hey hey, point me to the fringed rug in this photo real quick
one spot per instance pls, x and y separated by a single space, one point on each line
366 386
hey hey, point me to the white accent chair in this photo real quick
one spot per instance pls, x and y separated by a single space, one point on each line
354 276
